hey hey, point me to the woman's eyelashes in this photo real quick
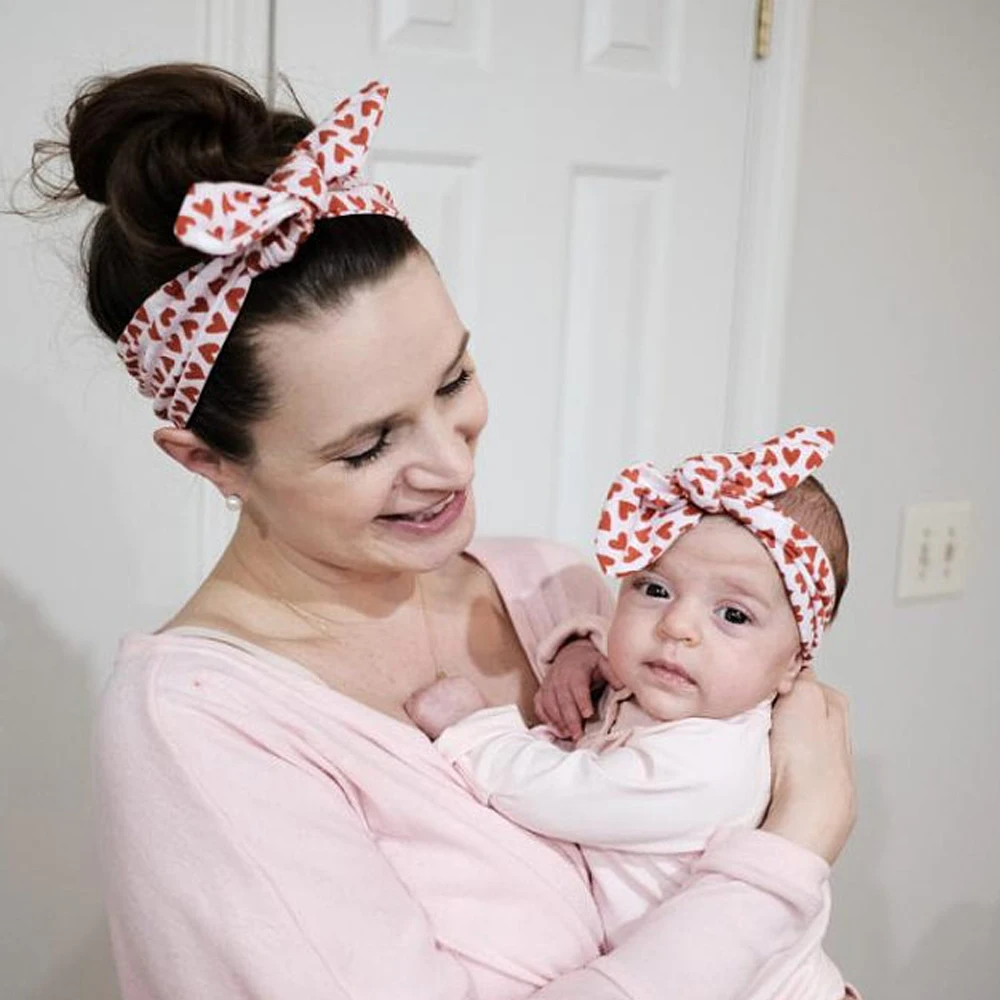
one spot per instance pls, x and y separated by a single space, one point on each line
372 453
356 461
456 384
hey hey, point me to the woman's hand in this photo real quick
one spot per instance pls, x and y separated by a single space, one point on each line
812 796
565 698
443 703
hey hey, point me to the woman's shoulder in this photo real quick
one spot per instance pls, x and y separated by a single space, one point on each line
531 558
182 681
182 658
548 581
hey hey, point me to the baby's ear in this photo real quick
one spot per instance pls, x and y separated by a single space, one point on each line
790 673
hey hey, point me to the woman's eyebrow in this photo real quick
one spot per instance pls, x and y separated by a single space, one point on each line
371 427
462 348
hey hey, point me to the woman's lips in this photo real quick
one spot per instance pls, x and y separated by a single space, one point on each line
670 674
429 520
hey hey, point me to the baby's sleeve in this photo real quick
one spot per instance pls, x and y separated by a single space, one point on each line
666 791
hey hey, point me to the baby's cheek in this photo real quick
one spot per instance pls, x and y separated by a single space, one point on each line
620 646
738 690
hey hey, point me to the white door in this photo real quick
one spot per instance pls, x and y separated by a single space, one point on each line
576 168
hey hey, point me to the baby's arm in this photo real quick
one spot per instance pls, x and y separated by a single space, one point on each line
668 792
572 658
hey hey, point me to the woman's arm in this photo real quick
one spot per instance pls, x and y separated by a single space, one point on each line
812 796
237 872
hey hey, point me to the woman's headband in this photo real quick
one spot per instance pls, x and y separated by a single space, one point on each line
174 338
647 511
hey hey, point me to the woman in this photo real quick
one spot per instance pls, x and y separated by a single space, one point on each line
272 825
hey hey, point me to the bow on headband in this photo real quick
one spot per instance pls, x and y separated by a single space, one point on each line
647 511
173 339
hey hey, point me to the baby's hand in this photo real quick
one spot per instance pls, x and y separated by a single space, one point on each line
564 700
443 703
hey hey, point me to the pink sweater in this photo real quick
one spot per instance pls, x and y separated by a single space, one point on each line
266 837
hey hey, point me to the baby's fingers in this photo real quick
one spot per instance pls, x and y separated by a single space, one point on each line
547 710
574 706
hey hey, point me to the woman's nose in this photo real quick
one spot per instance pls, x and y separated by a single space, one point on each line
444 459
678 624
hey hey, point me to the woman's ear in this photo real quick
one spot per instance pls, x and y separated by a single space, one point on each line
187 449
787 679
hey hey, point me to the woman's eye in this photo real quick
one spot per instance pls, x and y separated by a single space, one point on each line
735 616
369 454
456 384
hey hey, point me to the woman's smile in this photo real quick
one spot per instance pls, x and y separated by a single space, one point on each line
429 520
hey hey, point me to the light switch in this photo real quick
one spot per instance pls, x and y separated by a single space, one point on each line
933 551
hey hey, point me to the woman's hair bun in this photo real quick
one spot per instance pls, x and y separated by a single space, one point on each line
138 141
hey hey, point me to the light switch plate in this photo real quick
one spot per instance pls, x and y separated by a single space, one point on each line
934 549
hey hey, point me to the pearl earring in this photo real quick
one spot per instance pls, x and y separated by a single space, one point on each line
234 503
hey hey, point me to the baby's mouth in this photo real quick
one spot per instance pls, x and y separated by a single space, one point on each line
670 673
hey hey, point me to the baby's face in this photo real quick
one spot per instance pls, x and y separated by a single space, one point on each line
707 630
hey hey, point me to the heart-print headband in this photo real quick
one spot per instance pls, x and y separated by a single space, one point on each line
172 341
647 511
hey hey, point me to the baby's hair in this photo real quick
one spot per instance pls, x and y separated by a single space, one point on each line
810 506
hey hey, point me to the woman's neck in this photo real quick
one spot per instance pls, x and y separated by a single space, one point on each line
260 567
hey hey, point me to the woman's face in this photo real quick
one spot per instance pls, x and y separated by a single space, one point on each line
366 463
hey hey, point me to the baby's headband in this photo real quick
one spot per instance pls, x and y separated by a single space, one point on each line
647 511
172 341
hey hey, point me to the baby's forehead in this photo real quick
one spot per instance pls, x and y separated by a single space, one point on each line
719 546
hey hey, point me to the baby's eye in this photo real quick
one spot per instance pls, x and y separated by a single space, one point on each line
652 588
735 616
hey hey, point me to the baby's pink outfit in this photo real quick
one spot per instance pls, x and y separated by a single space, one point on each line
267 838
642 798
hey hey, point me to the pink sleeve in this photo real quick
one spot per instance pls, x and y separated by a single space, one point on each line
550 590
235 871
752 897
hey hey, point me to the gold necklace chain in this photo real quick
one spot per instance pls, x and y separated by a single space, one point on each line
327 625
439 672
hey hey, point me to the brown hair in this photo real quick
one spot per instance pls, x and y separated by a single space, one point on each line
810 506
136 142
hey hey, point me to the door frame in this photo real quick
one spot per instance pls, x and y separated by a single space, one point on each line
767 228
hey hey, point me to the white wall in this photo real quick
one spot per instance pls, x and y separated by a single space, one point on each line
89 517
894 338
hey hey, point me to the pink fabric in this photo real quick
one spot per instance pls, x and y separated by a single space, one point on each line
265 837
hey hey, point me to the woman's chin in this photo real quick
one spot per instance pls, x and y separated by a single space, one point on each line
427 546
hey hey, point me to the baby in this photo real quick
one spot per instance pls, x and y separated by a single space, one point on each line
731 566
